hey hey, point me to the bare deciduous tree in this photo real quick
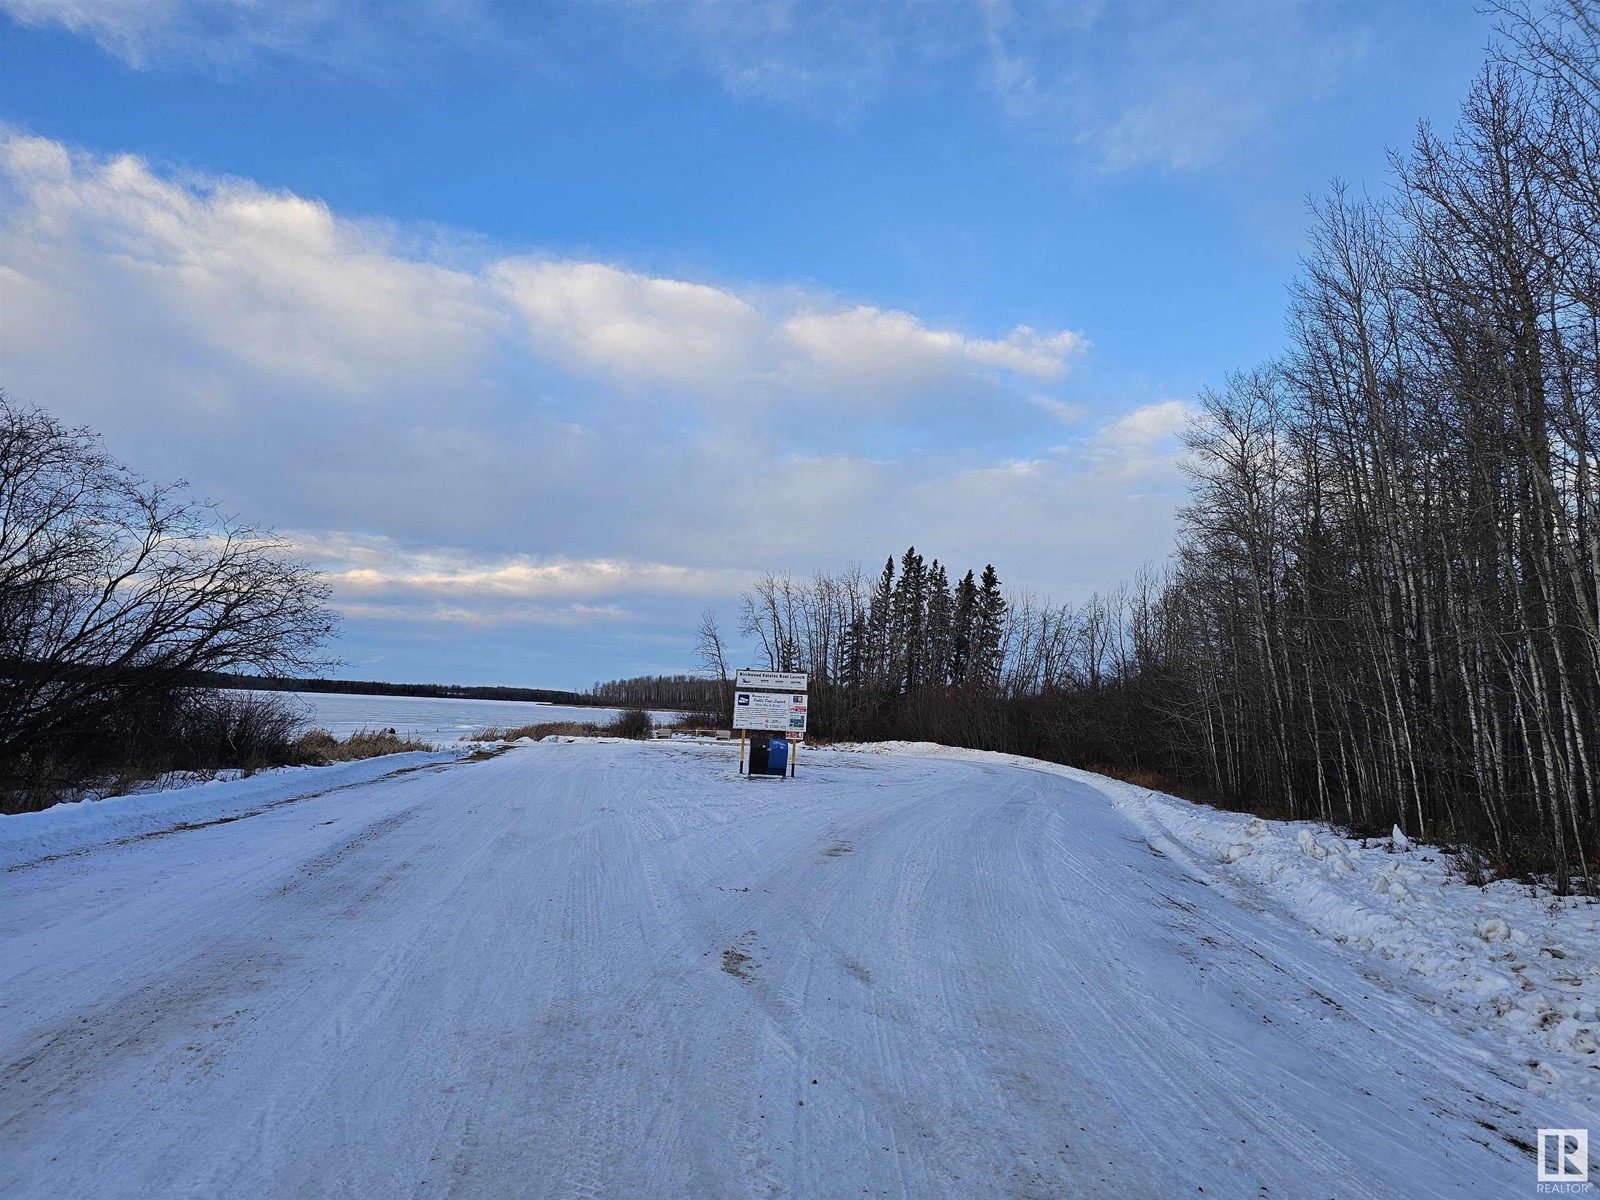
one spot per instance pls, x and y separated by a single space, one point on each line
114 589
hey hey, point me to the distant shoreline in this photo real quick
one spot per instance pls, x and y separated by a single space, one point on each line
371 687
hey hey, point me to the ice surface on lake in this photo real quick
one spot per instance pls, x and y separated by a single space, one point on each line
431 719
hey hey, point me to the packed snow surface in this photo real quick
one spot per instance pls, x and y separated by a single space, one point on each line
74 828
620 969
1510 964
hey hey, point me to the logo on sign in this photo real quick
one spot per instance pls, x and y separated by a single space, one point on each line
744 699
1563 1159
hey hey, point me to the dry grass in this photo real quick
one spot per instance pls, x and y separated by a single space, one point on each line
1153 780
321 747
698 720
633 723
542 730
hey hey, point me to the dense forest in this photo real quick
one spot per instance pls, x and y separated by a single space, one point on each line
1384 601
682 692
1384 605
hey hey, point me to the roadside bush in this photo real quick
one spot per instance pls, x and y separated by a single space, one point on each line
700 720
187 731
318 747
153 734
115 595
538 731
634 723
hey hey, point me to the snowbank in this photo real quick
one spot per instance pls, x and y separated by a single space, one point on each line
67 828
1503 964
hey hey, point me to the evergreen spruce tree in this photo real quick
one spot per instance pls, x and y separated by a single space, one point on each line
936 664
963 629
880 623
910 619
990 624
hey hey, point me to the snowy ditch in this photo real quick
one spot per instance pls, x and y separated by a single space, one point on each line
1514 969
74 827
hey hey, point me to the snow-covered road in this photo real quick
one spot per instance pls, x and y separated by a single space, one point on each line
621 970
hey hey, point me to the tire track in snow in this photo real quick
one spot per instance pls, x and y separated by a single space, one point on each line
515 988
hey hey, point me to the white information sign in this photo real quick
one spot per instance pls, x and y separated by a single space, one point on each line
772 681
781 712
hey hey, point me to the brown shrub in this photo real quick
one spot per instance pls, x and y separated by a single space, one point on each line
1154 780
699 720
539 731
319 747
634 723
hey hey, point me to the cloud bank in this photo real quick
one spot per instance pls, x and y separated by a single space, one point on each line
478 441
281 284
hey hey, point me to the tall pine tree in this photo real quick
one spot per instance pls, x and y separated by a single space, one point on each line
964 629
991 616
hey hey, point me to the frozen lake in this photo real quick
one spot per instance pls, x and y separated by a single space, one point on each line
432 719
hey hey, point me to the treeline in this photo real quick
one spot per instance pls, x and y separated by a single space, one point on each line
1385 598
907 631
680 693
370 687
1384 605
908 655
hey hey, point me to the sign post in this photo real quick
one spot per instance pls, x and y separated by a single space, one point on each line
770 702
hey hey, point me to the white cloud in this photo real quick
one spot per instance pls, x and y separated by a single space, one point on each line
1145 428
1139 446
225 35
1064 411
493 428
268 278
567 615
122 27
280 284
710 341
875 345
631 327
1149 83
377 577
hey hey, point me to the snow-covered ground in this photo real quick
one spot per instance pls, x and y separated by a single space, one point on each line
1513 966
620 969
437 721
175 803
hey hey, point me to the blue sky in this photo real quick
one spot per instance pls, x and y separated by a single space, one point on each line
542 327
